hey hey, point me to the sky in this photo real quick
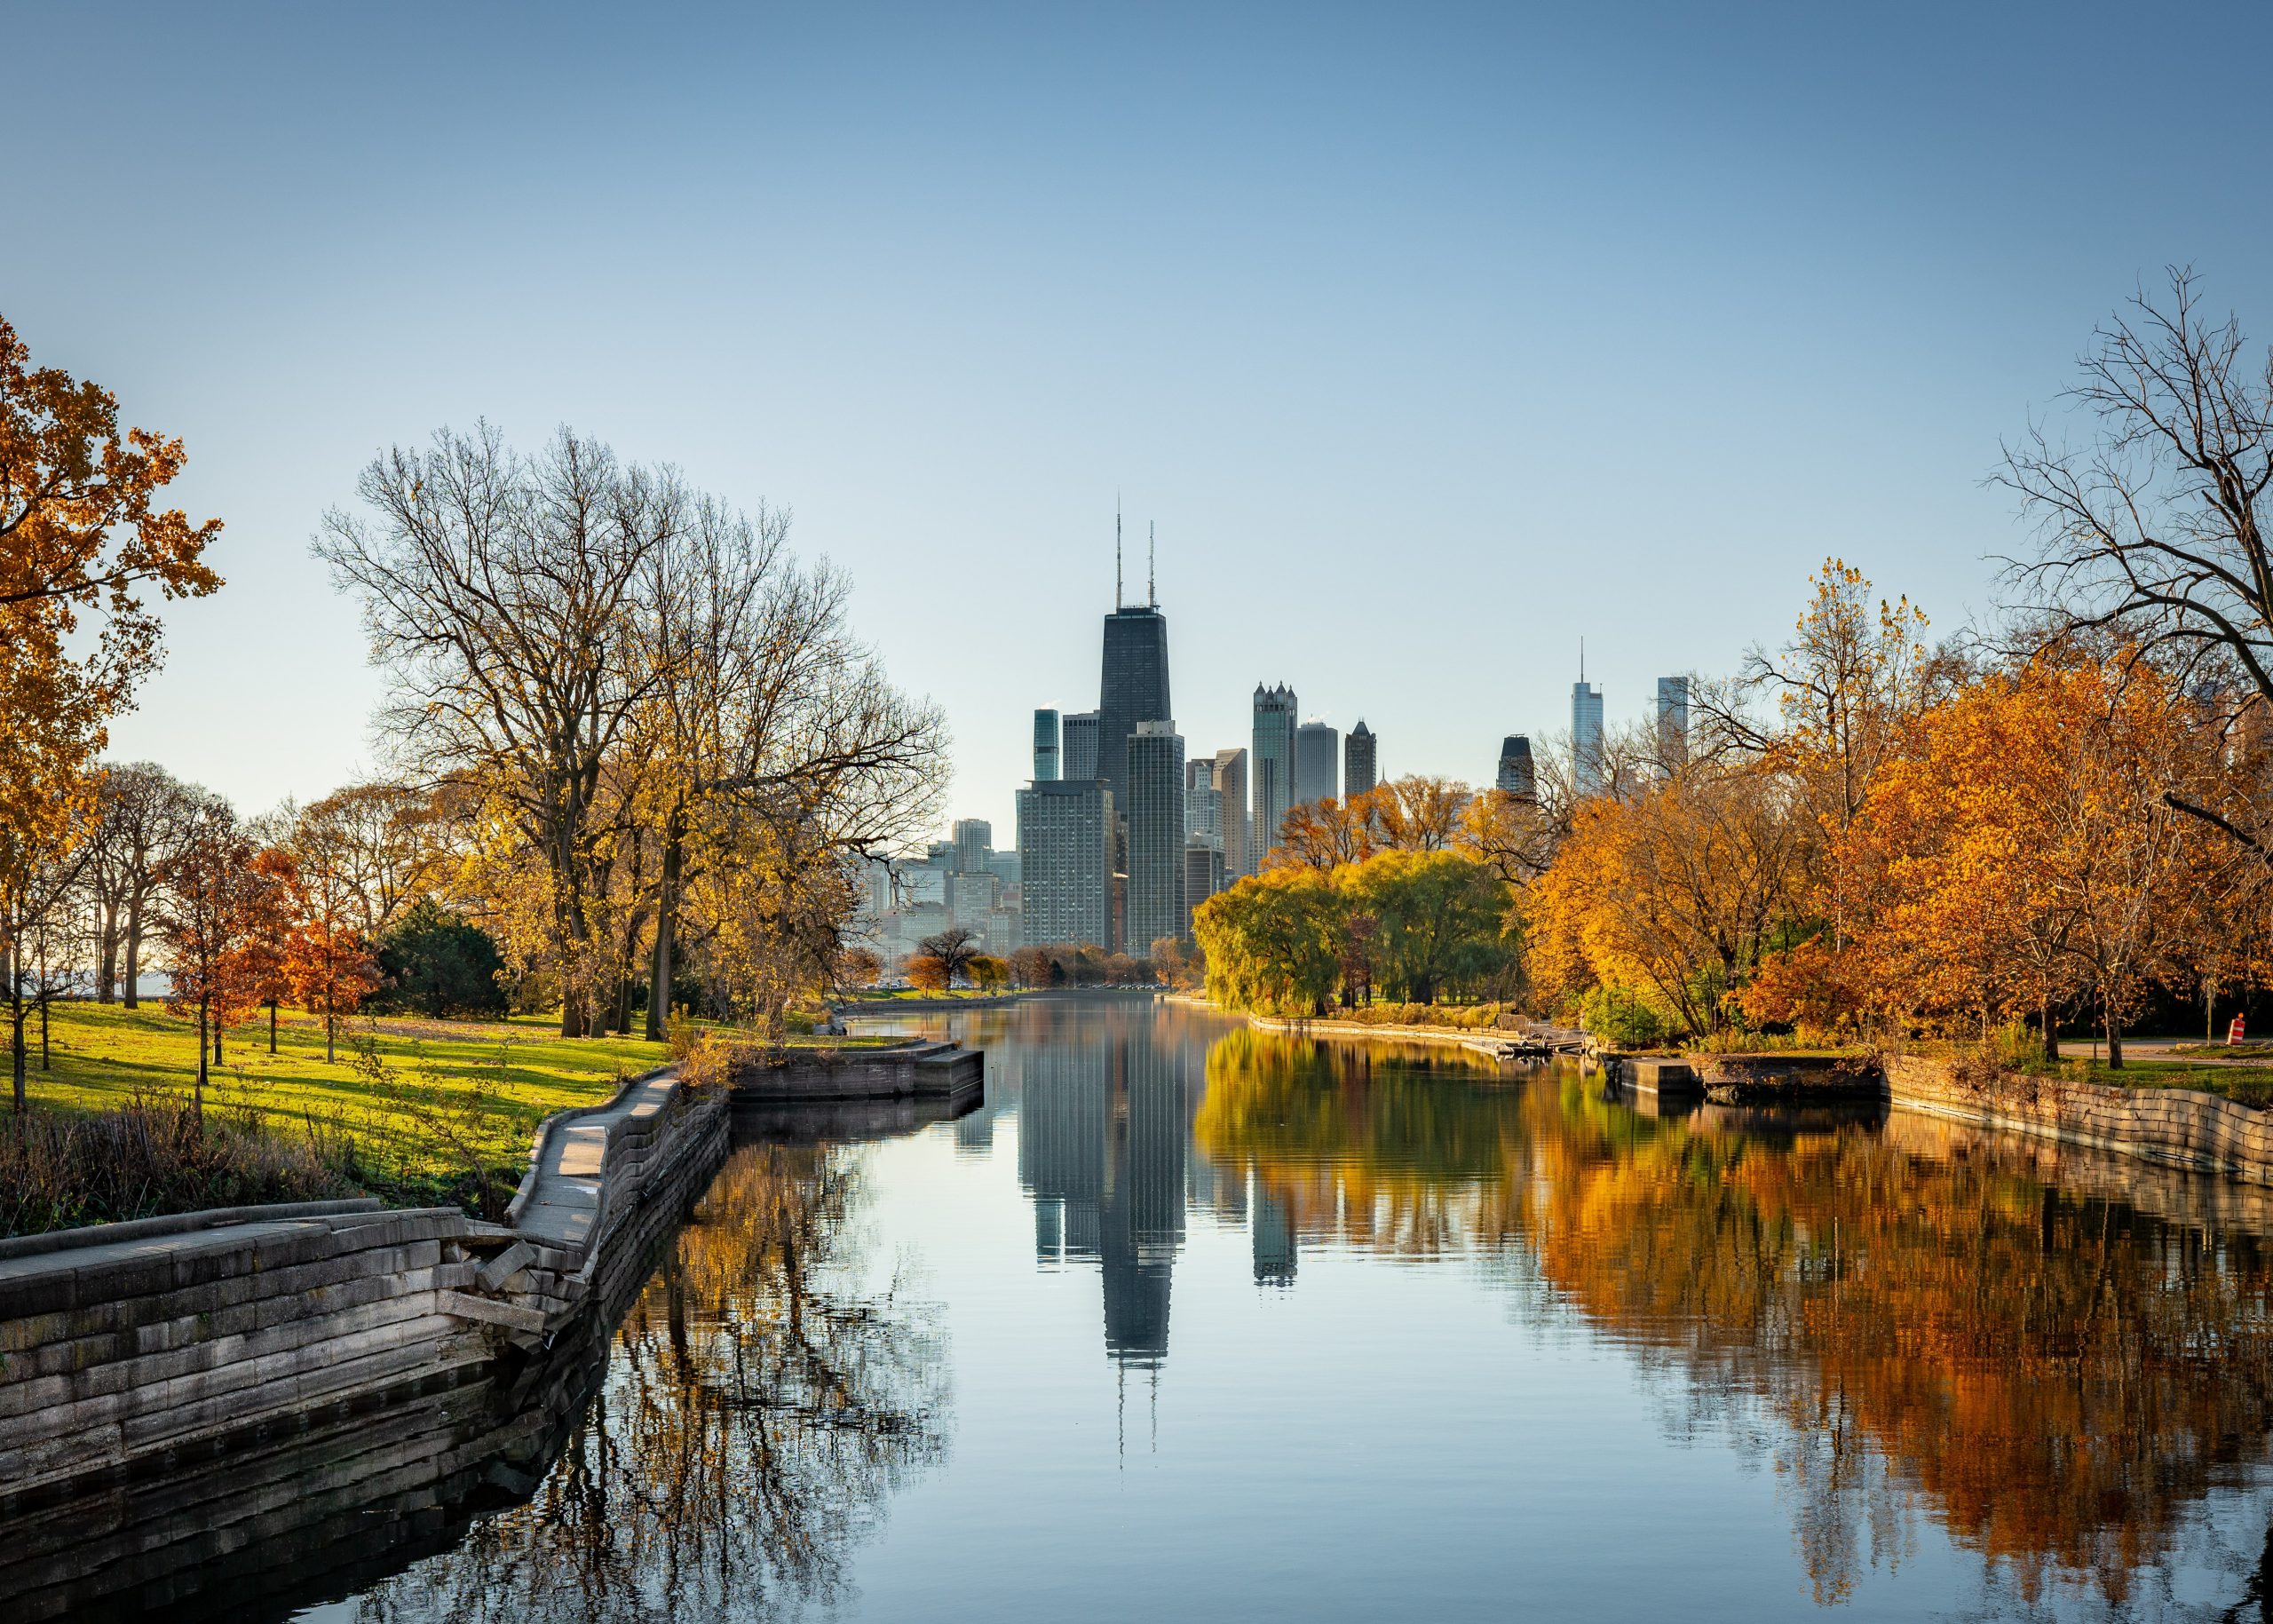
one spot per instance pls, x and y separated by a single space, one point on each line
1432 339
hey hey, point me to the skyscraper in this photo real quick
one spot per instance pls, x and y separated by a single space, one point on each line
1081 761
972 838
1673 720
1065 862
1045 747
1203 873
1586 738
1359 773
1516 775
1134 686
1203 803
1231 786
1317 764
1155 836
1272 765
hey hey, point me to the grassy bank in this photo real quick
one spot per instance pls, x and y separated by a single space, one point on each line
413 1110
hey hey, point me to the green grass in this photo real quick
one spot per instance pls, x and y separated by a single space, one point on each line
2246 1085
2222 1051
416 1111
415 1097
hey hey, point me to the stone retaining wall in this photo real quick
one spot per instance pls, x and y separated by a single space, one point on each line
2178 1128
125 1349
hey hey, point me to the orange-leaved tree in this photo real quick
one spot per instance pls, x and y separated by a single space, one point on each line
210 889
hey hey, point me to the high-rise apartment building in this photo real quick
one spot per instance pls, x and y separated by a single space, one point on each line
1203 803
1203 873
1081 760
1318 762
1518 777
1155 836
1359 768
971 839
1673 720
1230 789
1045 747
1587 774
1065 862
1133 688
1272 769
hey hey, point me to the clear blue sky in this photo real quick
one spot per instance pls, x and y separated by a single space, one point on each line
1433 337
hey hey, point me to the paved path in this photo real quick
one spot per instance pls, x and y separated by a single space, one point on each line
565 1205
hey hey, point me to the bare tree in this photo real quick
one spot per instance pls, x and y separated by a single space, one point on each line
2156 531
500 591
143 814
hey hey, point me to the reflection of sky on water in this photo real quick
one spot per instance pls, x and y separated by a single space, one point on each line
1451 1346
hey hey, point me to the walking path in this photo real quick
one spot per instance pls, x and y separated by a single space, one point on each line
560 1205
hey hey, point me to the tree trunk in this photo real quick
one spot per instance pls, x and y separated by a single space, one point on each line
106 952
272 1026
44 1058
13 962
330 1030
658 985
2114 1045
2051 1031
127 993
204 1018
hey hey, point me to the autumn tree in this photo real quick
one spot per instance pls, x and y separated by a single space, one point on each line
380 843
143 812
1677 893
208 890
83 551
953 947
258 962
1436 920
501 592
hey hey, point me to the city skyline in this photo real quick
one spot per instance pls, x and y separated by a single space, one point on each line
1813 322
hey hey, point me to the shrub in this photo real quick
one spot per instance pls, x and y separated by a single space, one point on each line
439 964
1623 1016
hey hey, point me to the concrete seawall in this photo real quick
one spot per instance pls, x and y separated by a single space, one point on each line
2174 1128
125 1349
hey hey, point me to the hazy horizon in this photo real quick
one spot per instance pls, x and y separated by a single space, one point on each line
1433 340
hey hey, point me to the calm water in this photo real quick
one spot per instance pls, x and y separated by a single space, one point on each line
1188 1322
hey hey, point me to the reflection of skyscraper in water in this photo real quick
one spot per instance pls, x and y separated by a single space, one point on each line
1103 1138
1273 1236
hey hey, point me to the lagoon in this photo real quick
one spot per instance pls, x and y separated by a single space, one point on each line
1188 1321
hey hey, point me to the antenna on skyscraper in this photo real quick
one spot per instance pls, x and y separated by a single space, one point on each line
1151 598
1582 661
1116 549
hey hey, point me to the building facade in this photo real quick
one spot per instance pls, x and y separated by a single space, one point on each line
1045 747
1272 766
1203 873
1318 762
1360 768
1203 803
1133 688
1673 720
1586 774
1517 776
1230 790
1079 757
1065 862
1156 835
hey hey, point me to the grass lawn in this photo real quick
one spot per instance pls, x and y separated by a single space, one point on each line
402 1089
2248 1085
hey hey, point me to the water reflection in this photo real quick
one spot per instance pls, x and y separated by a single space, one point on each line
1957 1354
764 1399
2054 1358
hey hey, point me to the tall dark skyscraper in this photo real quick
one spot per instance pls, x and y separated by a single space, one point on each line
1134 688
1045 746
1516 775
1359 769
1272 769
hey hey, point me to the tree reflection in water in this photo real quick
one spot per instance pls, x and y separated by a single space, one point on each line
2057 1358
761 1404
